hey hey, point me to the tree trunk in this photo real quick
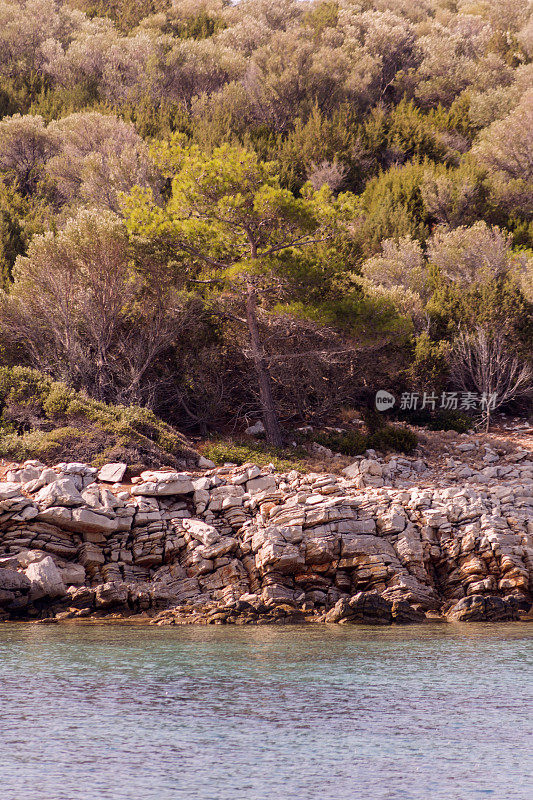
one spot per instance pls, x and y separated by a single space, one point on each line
268 409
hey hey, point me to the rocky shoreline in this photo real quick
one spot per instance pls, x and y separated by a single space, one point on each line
387 541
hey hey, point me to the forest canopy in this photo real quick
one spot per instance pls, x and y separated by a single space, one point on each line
264 209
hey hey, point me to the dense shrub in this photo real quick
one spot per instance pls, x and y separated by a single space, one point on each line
391 437
349 443
354 443
44 419
224 451
439 420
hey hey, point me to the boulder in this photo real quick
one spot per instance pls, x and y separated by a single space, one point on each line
6 598
370 608
478 608
279 557
369 466
162 484
112 472
79 520
62 492
352 471
26 557
101 500
276 594
404 586
111 594
73 575
404 614
255 429
226 545
13 581
261 484
393 521
204 533
205 463
9 489
57 515
81 598
86 521
339 613
364 608
225 497
46 580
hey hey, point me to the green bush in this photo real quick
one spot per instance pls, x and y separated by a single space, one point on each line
438 421
390 437
429 368
225 451
349 443
42 418
355 443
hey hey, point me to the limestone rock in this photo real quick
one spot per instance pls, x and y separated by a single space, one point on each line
393 521
82 597
73 575
276 594
404 614
352 471
477 608
261 484
62 492
369 466
357 526
81 520
87 521
313 541
46 580
205 463
225 497
162 484
13 581
221 548
112 472
322 549
364 608
279 557
204 533
9 489
90 555
111 594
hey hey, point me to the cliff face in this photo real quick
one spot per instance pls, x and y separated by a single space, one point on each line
384 542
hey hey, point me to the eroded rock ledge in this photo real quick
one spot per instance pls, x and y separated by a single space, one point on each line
246 545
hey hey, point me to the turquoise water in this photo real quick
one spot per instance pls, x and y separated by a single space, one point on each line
266 713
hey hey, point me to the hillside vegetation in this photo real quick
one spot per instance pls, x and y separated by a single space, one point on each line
44 419
221 213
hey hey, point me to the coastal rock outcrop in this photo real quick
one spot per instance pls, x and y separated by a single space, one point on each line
374 545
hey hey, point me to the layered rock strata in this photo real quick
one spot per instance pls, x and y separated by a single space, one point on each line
244 544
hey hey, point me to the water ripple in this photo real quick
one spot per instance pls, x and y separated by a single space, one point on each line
122 713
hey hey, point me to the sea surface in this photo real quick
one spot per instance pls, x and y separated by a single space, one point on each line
442 712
